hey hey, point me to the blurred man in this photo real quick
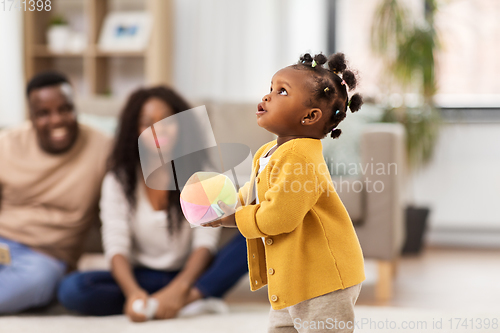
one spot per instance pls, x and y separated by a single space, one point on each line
51 170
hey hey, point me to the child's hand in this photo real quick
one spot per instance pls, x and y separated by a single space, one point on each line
227 220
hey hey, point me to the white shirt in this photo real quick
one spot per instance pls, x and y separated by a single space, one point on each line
142 236
263 161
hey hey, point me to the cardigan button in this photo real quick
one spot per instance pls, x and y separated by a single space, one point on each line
270 271
274 298
269 241
258 180
253 256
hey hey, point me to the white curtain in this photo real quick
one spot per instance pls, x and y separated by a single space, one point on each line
228 50
12 102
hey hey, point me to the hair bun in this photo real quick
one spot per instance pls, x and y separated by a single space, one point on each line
355 102
337 63
306 58
320 59
350 79
336 133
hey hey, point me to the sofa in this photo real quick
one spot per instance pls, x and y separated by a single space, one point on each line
377 214
377 207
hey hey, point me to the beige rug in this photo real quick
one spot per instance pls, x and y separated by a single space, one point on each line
253 319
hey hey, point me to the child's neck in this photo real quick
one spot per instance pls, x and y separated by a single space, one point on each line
282 139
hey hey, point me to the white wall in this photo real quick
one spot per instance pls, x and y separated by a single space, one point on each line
228 50
462 186
462 183
12 101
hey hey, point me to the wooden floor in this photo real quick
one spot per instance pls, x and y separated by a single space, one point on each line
444 278
438 278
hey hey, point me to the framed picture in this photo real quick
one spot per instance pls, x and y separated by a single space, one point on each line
125 31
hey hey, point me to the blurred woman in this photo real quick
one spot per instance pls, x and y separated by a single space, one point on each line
152 249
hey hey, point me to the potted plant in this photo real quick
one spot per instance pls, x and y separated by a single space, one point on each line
58 34
407 47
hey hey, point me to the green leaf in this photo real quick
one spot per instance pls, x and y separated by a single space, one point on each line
408 51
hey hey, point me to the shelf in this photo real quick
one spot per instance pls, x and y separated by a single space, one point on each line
42 51
100 105
99 53
96 69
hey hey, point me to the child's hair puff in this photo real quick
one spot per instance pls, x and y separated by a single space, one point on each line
337 63
331 85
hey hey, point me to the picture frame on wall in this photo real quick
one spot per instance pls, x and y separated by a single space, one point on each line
125 31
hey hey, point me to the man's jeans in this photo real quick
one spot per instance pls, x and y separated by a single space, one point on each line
30 280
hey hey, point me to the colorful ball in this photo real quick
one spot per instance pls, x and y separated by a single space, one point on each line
201 193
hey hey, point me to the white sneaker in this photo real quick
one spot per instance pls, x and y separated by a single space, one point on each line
204 306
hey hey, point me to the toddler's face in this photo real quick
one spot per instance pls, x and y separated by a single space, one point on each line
282 109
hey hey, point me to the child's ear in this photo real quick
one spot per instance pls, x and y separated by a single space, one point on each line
312 116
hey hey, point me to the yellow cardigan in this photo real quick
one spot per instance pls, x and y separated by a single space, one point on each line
311 245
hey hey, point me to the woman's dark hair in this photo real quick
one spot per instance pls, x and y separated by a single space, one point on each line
330 87
124 159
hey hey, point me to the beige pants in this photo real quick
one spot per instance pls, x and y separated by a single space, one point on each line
332 312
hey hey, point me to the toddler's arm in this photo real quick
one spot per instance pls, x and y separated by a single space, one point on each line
244 191
243 194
